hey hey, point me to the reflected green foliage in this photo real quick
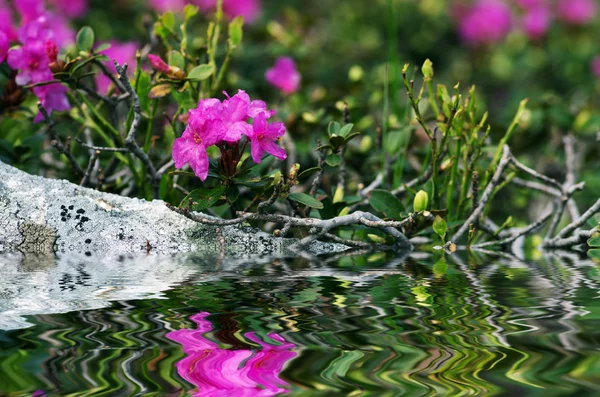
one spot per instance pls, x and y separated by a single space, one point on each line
367 325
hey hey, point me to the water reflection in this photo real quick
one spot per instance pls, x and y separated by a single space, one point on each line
227 372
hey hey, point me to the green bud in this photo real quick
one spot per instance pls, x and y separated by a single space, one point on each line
366 143
421 201
427 69
338 197
344 211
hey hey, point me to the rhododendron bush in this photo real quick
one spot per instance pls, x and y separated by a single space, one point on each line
300 117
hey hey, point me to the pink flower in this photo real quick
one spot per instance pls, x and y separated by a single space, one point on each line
4 46
53 97
71 8
167 5
486 22
29 9
536 22
47 27
249 9
284 75
221 372
596 66
204 129
263 138
158 64
31 60
123 53
529 4
6 24
236 111
577 12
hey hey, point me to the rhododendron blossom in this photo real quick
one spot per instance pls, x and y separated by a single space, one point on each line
284 75
4 45
486 22
71 8
158 64
537 22
6 24
577 12
221 372
249 9
167 5
52 97
221 123
31 60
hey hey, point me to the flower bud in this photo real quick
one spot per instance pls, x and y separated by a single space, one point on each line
427 69
421 201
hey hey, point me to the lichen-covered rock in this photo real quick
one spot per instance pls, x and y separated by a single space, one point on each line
39 215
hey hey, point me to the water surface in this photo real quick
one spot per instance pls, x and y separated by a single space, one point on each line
426 325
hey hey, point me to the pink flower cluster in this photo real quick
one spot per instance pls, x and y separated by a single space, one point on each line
249 9
487 22
39 35
222 372
214 122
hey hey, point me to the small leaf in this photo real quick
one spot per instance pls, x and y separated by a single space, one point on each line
376 239
594 254
85 39
421 201
159 91
235 31
337 141
189 11
594 241
102 47
309 172
338 197
384 201
168 20
307 200
440 227
334 128
201 72
333 160
203 198
175 58
345 130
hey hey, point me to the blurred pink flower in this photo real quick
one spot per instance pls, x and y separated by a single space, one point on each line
31 60
158 64
249 9
596 66
264 138
123 53
4 46
47 27
29 9
486 22
284 75
6 24
537 22
167 5
204 129
529 4
70 8
53 97
221 372
577 12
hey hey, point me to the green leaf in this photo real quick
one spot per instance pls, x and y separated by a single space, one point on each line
143 88
440 227
345 130
189 12
594 241
337 141
201 72
85 39
333 160
233 193
236 31
384 201
203 198
102 47
376 239
168 20
175 58
307 200
334 128
594 254
309 172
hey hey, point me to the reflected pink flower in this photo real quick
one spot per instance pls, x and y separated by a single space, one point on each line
284 75
222 372
70 8
486 22
158 64
167 5
123 53
264 139
204 129
31 60
249 9
537 22
577 12
596 66
4 46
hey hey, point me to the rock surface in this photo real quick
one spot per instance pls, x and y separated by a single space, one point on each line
39 215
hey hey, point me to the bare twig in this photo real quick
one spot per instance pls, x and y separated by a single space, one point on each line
86 177
578 222
537 175
523 232
57 143
101 148
321 164
550 191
